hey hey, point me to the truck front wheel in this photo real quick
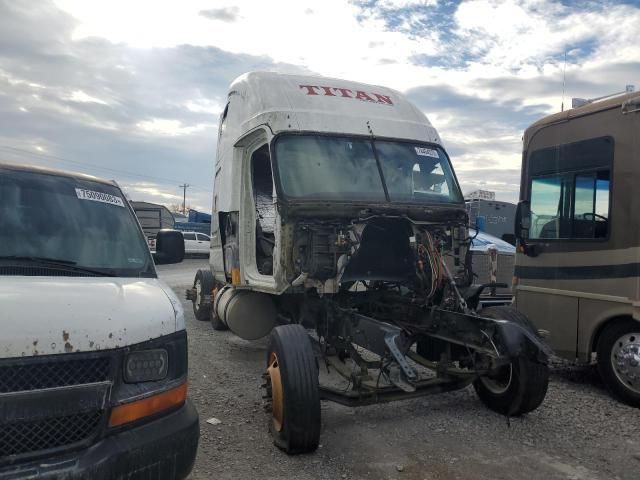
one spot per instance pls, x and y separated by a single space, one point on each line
293 390
520 386
203 285
619 360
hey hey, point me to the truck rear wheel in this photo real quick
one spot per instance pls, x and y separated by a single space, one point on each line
203 285
292 387
619 360
516 388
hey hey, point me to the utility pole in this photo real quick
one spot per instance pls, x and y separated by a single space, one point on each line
184 197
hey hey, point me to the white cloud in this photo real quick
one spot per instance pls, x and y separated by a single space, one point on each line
82 97
169 128
507 53
407 3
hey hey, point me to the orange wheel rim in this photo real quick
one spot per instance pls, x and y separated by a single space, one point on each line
277 405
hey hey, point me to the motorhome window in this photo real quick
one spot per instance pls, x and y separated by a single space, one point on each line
78 222
340 168
570 189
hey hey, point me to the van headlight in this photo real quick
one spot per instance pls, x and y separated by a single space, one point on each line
151 380
146 365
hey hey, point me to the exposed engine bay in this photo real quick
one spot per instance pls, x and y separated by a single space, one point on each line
381 252
403 291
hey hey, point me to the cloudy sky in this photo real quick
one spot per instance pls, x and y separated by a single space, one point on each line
132 90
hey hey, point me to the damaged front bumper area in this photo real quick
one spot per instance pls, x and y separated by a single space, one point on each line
461 347
164 448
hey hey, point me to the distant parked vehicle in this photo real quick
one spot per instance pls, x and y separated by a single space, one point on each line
481 265
153 218
196 243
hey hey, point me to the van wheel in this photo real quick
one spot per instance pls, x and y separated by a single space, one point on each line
203 285
516 388
293 391
619 360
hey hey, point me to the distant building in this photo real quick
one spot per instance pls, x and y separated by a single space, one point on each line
180 218
481 195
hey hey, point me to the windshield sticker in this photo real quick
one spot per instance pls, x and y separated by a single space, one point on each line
84 194
427 152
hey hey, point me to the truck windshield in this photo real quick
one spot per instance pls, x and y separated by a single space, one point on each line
71 224
344 168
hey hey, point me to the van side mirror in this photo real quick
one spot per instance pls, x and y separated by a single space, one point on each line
169 247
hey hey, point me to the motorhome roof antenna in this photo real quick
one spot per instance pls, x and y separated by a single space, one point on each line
564 77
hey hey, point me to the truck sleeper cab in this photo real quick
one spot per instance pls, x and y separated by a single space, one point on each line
339 229
577 223
93 351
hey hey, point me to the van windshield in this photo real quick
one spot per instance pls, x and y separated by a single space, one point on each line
360 169
69 225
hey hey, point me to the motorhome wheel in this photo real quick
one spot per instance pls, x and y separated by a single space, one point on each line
619 360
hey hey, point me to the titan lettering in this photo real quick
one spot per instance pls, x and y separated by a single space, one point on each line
347 93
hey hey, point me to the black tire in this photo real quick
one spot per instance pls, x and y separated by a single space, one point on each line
613 340
521 386
299 428
203 283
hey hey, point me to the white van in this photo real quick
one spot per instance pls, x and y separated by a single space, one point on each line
93 350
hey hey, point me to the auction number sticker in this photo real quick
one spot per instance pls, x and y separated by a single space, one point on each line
427 152
84 194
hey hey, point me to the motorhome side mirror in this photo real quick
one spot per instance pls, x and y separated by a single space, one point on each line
523 221
169 247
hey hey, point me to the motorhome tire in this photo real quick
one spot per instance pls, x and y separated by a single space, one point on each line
519 387
203 285
292 386
618 352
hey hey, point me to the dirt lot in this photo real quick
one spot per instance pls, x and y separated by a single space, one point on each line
578 433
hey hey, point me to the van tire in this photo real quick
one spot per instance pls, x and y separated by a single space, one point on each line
296 429
519 388
610 340
203 284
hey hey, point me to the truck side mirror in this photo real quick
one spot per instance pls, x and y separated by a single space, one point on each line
169 247
522 226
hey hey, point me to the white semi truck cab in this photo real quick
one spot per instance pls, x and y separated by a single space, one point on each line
339 227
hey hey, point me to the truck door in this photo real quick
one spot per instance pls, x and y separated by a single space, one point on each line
568 187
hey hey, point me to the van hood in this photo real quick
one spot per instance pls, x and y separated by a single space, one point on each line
52 315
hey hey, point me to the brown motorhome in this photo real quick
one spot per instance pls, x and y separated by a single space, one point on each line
578 226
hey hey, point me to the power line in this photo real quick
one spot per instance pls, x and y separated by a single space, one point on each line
23 152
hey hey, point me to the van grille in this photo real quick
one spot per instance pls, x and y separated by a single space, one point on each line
50 373
44 429
32 436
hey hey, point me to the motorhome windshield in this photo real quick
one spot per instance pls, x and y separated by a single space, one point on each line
69 225
361 169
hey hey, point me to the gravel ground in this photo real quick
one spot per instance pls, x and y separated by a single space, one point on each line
578 433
